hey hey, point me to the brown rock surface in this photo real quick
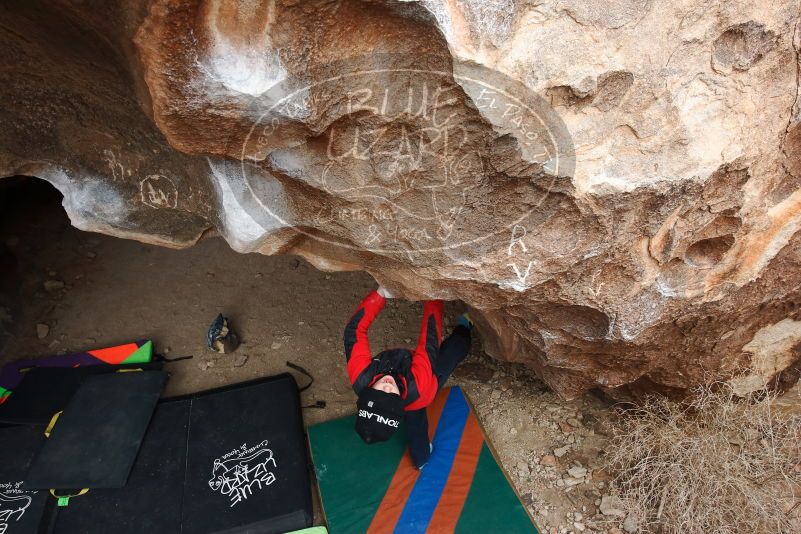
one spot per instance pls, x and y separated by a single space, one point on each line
613 186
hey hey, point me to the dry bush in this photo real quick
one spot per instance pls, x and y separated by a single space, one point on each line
714 464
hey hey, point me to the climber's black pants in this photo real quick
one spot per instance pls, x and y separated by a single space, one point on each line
452 351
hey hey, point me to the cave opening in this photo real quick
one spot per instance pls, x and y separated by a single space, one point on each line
29 208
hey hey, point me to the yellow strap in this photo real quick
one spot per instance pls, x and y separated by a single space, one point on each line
47 432
52 423
84 491
127 370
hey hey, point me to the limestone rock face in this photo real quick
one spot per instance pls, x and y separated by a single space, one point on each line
613 186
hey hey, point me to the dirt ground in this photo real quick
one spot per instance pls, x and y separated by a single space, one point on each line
116 291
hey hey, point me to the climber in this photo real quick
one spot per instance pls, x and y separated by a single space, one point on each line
399 383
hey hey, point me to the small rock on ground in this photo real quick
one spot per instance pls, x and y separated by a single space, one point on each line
561 451
53 285
612 506
630 524
577 472
42 330
548 459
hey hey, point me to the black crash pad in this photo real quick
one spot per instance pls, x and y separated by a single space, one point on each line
96 439
21 511
151 500
247 465
247 468
47 390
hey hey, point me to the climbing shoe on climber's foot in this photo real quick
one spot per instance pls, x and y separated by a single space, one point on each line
464 320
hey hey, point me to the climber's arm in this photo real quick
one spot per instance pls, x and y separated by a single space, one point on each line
357 346
424 358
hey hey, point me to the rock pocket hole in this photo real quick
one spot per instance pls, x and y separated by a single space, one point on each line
741 46
708 252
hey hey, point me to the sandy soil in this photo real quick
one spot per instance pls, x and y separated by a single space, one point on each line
284 309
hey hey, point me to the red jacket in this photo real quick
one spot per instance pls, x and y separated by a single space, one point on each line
413 370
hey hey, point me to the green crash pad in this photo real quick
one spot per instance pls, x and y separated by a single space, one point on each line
376 489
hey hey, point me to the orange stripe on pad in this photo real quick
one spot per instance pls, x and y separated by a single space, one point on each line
460 479
391 507
114 355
